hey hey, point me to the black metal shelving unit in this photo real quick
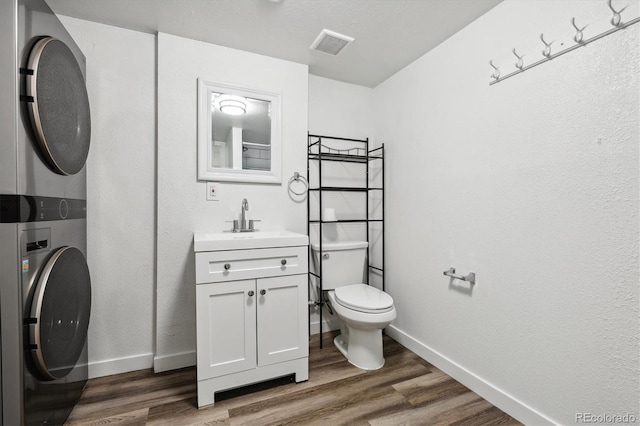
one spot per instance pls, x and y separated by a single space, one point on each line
332 149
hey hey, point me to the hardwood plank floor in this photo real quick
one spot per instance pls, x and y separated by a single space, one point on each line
406 391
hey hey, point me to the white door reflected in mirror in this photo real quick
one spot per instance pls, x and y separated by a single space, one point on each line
238 134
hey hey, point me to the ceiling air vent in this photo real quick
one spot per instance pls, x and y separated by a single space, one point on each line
330 42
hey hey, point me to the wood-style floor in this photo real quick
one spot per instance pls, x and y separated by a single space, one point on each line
406 391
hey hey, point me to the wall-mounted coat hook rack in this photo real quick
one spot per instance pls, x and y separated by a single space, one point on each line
580 36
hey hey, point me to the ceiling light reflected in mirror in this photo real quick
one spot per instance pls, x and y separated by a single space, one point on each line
232 105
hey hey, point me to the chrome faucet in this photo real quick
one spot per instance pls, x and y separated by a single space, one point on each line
242 226
243 221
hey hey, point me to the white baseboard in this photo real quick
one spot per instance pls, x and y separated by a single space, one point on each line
326 326
174 362
491 393
120 365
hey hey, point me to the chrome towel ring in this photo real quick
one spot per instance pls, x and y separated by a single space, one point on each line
297 177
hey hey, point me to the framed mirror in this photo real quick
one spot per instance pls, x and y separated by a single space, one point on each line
239 136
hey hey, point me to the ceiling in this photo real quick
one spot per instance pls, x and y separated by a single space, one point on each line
389 34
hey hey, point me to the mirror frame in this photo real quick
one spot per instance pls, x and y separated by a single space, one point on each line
206 171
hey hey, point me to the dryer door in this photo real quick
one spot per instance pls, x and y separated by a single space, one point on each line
58 105
60 313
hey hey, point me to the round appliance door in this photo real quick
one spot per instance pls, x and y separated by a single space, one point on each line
58 106
60 313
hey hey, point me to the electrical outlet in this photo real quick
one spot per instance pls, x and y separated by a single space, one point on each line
212 191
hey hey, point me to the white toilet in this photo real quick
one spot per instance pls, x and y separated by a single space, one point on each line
363 310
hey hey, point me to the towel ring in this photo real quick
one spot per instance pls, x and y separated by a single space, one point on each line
298 178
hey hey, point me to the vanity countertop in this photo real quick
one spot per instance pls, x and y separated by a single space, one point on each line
247 240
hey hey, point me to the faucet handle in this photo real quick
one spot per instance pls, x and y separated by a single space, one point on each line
251 224
236 228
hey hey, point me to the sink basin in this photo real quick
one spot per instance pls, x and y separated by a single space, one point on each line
247 240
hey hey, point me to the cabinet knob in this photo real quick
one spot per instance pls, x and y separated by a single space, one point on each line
283 262
263 292
227 266
251 293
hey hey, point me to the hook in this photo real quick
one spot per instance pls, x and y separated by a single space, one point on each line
547 46
578 36
520 62
616 19
496 72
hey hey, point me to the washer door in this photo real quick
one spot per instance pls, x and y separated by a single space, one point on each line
60 313
58 106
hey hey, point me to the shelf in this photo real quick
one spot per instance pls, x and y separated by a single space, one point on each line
335 138
345 221
325 156
357 152
344 188
336 149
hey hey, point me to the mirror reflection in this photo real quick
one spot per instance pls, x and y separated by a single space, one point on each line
241 132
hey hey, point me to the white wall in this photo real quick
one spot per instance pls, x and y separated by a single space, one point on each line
128 310
340 109
182 206
532 184
120 194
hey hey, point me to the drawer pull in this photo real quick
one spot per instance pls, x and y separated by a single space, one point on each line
251 293
283 262
227 266
263 292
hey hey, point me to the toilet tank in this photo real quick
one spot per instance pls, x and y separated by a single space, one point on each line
344 263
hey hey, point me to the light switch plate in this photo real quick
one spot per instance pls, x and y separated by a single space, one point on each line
212 191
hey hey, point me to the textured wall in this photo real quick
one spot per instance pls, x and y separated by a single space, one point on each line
340 109
533 184
182 206
120 194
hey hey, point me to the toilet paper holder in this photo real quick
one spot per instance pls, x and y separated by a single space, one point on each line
470 277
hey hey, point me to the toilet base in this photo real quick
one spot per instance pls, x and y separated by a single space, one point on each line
362 348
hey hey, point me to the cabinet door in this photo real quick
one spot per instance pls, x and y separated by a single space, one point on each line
226 327
282 319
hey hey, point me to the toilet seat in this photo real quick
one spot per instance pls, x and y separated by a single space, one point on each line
364 298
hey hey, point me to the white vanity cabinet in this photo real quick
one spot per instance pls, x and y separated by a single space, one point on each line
251 317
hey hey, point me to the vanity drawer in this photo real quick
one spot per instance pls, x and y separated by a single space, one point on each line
216 266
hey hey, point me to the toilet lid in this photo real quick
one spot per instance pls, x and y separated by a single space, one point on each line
364 298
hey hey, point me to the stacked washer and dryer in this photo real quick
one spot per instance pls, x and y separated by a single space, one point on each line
45 288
